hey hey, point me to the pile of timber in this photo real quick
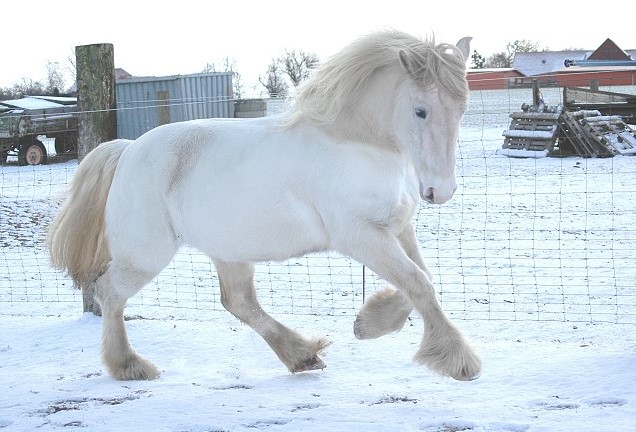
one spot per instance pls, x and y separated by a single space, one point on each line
586 133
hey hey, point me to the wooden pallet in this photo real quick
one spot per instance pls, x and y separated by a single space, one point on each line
531 133
591 134
612 132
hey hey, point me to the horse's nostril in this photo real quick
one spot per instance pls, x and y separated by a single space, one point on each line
429 195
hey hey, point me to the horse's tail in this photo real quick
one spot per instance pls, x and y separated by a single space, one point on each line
76 236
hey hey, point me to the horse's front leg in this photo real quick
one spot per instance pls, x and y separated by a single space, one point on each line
238 296
387 310
444 349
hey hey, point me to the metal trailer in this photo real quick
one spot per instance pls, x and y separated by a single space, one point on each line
23 122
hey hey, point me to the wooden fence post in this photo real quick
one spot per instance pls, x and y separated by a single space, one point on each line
96 101
97 105
536 93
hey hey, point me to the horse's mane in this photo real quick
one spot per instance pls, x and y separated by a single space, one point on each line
343 77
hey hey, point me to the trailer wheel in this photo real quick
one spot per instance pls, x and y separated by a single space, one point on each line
31 152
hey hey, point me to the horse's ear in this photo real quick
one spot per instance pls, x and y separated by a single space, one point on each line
464 46
406 63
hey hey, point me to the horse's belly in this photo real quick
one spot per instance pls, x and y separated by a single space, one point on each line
257 233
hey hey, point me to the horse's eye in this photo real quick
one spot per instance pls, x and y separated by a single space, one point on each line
420 112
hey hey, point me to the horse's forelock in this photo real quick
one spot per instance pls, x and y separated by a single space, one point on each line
440 65
342 78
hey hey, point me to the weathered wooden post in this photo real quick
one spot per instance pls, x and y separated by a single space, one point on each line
96 96
96 104
536 93
594 85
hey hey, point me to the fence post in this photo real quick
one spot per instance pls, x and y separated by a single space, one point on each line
536 93
96 101
97 120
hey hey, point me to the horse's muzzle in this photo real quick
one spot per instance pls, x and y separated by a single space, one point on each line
434 196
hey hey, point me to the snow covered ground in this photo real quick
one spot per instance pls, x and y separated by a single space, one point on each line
533 259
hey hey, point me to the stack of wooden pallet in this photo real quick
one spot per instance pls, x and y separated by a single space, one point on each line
531 133
555 132
591 134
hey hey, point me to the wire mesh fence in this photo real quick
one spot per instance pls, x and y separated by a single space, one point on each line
549 239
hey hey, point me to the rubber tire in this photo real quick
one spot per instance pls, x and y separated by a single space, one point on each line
32 152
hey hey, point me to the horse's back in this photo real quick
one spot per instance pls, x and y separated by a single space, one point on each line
235 189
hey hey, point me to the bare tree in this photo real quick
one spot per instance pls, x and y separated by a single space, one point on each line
53 85
27 86
521 45
504 59
297 65
70 65
24 87
55 79
273 81
208 68
498 60
227 65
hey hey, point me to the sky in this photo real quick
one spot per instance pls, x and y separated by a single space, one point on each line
182 37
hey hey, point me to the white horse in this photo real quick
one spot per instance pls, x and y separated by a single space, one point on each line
374 131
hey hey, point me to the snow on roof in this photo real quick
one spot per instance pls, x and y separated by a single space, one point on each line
63 100
546 62
31 102
543 62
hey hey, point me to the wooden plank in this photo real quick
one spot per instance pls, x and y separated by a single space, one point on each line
573 95
531 134
608 103
535 115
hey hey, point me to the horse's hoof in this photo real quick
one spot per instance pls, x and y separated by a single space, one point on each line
457 361
357 331
465 377
137 368
384 313
310 364
362 331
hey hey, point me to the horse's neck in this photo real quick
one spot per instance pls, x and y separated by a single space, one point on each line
363 130
368 119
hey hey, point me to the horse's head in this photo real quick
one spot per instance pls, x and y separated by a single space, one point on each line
353 95
427 116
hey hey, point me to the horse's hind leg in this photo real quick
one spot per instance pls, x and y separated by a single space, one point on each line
113 289
387 310
238 296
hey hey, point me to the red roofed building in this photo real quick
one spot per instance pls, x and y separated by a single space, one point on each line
549 68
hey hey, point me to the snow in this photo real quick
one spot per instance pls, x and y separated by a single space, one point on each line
219 375
31 103
533 259
522 153
538 134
